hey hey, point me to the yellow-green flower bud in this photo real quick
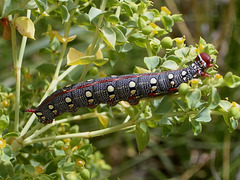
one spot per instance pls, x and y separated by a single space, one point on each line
167 42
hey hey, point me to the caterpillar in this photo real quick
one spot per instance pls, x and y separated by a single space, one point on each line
111 90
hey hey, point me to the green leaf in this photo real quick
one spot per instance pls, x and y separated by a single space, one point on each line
68 167
4 121
11 6
193 97
112 18
7 155
75 142
88 149
204 115
64 13
124 48
100 62
225 105
184 127
142 136
59 152
177 17
196 127
6 169
138 39
231 122
94 13
127 9
182 53
214 98
227 121
180 103
41 5
54 44
51 167
29 168
164 120
120 38
167 22
75 57
174 58
151 62
109 36
202 41
84 60
231 80
46 69
39 158
11 134
234 123
164 106
166 130
141 22
83 19
149 15
169 64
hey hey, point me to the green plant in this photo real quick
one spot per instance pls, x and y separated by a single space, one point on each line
118 27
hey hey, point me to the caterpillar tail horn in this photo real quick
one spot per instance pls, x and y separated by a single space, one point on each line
30 110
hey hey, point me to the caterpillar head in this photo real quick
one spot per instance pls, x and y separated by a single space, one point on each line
204 60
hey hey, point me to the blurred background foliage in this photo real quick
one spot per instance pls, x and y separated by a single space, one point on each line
212 154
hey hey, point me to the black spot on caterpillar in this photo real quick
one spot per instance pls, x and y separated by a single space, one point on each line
111 90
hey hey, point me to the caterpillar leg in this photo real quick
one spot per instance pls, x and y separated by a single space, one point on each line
112 103
133 101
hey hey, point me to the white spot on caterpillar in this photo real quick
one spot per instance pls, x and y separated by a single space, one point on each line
39 113
194 66
153 81
112 96
70 105
89 80
172 83
154 88
50 106
88 94
43 118
54 111
68 99
170 76
132 84
133 92
90 100
68 85
110 88
184 73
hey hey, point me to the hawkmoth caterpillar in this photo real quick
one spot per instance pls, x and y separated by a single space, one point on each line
111 90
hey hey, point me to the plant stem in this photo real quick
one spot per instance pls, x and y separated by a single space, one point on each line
17 73
74 118
91 134
93 48
17 68
141 110
149 51
226 156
